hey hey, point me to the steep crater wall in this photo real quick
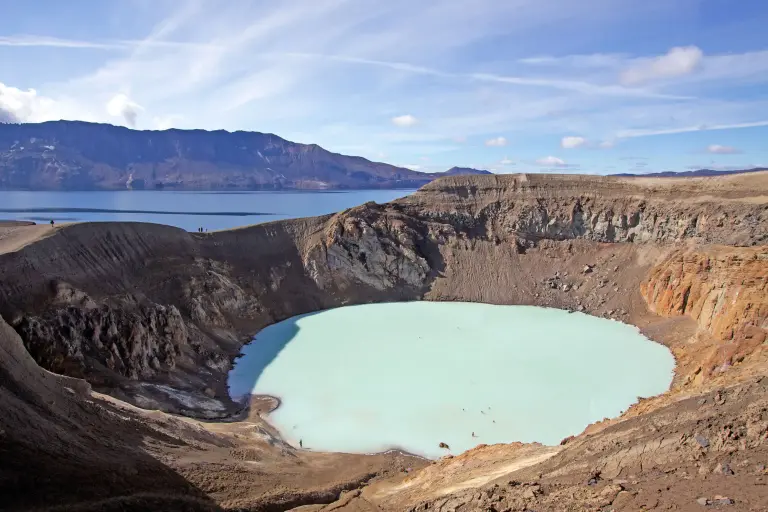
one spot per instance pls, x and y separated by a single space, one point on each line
192 300
725 290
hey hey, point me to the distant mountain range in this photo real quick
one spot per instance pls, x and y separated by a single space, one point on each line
456 171
74 155
693 174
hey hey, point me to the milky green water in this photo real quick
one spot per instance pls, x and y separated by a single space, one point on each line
370 378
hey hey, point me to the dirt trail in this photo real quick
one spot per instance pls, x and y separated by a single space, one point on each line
16 235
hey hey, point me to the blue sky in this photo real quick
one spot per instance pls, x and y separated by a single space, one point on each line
593 86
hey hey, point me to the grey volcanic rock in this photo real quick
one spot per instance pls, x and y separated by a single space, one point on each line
600 209
136 344
380 252
73 155
212 297
60 447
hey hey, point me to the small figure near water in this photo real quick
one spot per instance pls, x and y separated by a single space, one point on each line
51 222
301 443
443 445
473 434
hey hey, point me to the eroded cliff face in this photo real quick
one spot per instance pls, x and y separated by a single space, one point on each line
402 243
724 289
601 209
369 246
61 447
135 343
212 297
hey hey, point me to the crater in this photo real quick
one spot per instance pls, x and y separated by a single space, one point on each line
423 376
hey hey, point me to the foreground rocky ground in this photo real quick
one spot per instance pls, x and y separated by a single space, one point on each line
151 317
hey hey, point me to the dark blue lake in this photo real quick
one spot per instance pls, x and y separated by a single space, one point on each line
187 210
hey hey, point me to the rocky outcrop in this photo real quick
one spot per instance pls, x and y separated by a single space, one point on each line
600 209
213 298
401 243
367 245
134 343
62 449
724 289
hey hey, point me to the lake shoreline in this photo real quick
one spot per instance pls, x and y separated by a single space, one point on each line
310 410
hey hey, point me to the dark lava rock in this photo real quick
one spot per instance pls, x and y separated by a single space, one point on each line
94 343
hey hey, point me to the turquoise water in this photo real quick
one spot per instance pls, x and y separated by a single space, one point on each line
187 210
369 378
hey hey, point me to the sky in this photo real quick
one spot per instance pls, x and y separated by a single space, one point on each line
587 86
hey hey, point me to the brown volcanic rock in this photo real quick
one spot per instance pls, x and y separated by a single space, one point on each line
725 289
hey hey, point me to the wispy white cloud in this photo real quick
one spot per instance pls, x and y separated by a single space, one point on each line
54 42
551 161
676 62
554 83
32 41
577 86
688 129
496 142
122 106
596 60
29 106
572 142
404 120
717 149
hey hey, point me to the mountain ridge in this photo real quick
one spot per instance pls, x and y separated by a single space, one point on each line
692 174
76 155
